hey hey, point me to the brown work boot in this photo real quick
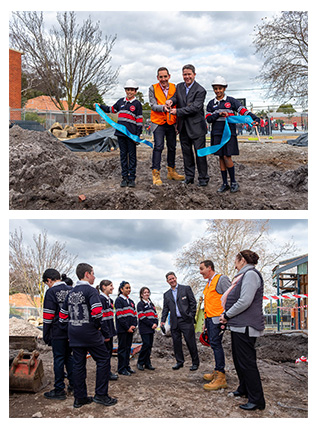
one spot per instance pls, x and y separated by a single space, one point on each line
173 175
156 177
219 382
211 376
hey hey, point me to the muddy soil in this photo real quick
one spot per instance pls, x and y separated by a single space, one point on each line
45 175
165 393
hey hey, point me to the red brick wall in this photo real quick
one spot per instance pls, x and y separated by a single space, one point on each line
15 83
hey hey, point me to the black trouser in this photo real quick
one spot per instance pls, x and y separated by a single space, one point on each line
124 349
159 134
189 150
109 346
102 358
145 352
128 157
62 358
245 362
187 329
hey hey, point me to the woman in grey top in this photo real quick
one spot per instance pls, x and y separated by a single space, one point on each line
243 314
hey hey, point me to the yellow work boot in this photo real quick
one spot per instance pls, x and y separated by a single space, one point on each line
173 175
156 177
219 382
211 376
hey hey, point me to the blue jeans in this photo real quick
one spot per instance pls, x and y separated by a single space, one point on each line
215 341
159 134
62 358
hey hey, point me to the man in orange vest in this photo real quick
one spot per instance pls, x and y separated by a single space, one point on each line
216 286
163 125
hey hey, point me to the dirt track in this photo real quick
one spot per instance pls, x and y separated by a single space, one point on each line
165 393
45 175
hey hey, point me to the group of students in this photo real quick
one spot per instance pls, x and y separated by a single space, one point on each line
80 320
179 108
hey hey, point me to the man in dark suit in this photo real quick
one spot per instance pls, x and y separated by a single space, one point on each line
181 303
189 99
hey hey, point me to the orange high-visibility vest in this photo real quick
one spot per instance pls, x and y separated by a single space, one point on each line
161 118
212 299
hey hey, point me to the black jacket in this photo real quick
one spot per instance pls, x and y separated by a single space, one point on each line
190 111
186 303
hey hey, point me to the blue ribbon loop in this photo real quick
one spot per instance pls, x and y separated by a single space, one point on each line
226 134
121 127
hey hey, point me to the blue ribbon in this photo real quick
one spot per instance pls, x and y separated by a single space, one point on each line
121 127
226 134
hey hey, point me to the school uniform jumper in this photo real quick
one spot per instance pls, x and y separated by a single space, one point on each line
147 317
129 115
57 337
231 106
82 311
126 316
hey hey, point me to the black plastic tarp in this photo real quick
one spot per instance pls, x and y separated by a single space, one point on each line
100 141
27 125
299 141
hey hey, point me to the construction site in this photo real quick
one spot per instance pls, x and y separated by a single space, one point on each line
282 357
45 174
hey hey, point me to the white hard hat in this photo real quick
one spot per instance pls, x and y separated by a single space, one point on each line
219 80
131 84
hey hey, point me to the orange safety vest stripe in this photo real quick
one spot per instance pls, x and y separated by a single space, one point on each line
161 118
212 299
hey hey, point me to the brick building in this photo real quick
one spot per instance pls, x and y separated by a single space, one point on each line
15 83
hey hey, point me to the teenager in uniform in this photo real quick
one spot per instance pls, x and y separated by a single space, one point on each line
163 125
54 336
217 111
129 111
105 289
82 310
148 322
126 322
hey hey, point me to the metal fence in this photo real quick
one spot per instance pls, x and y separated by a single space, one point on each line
24 312
48 117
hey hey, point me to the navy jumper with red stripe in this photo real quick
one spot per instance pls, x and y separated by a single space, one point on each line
147 316
56 336
82 311
232 107
126 316
129 115
53 301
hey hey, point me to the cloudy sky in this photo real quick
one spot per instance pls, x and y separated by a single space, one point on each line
140 251
216 42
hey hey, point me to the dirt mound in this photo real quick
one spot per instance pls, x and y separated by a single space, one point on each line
44 174
165 393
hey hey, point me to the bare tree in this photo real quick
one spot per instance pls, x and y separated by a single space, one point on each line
283 42
223 240
27 263
66 59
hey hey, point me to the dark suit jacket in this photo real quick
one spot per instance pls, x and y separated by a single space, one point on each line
186 302
190 109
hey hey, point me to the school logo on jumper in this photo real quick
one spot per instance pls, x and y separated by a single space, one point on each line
227 105
132 108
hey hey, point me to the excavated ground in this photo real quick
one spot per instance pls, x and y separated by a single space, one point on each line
165 393
45 175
